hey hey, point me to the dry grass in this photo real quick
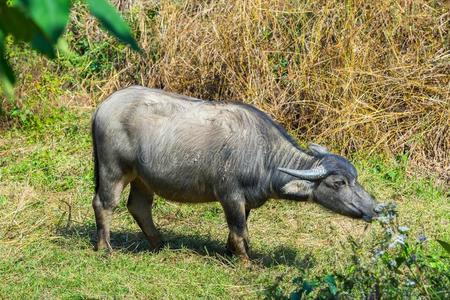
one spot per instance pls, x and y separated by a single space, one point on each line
358 75
366 76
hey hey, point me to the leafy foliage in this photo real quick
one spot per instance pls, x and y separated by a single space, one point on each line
111 20
49 15
41 24
397 266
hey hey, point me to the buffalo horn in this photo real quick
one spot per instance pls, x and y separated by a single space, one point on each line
311 174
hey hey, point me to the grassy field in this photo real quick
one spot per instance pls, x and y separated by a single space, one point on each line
47 227
369 79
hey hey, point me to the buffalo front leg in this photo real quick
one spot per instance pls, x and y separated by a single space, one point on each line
235 214
140 206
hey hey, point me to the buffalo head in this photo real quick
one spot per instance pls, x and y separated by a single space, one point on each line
333 183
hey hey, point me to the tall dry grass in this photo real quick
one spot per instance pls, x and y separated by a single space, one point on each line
358 75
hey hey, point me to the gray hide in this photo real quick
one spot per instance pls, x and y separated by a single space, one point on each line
190 150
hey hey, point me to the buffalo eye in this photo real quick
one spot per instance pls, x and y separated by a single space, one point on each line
338 183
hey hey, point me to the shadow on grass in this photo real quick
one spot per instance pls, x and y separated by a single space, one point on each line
135 242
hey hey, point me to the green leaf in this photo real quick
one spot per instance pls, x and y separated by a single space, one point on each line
6 70
50 15
15 22
444 245
329 279
308 287
112 21
295 296
7 78
41 44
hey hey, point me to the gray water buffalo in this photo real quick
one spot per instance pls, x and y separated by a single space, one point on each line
193 151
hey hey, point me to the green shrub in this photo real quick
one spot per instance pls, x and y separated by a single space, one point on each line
397 266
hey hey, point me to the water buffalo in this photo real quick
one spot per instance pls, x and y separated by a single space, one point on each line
190 150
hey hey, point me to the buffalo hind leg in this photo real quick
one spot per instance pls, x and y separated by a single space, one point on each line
140 206
104 203
235 214
247 214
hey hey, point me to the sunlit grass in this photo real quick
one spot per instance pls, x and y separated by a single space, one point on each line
47 227
367 78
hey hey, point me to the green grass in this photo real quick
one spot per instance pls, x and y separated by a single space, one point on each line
47 226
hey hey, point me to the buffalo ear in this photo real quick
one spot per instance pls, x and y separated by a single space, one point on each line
318 150
298 188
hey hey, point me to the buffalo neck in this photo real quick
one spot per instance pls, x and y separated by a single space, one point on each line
289 156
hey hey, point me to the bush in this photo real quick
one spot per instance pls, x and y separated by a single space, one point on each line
394 266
